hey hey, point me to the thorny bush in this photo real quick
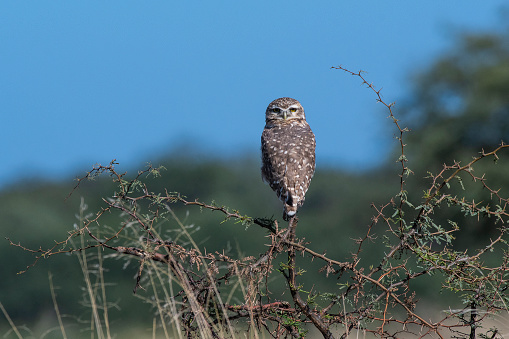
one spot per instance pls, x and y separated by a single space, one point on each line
374 295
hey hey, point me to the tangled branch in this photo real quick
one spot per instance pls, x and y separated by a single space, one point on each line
372 295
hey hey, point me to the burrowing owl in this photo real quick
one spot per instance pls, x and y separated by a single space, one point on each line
288 153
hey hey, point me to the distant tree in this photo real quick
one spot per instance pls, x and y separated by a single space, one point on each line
460 104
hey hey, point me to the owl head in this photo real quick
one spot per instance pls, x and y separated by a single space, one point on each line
284 109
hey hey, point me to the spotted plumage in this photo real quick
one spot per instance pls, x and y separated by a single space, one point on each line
288 153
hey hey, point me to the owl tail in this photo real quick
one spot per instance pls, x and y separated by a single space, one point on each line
289 208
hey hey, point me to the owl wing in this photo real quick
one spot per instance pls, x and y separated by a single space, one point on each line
301 163
273 160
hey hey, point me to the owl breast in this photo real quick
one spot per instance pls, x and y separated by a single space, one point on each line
288 162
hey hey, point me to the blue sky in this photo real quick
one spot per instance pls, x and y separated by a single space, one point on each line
84 82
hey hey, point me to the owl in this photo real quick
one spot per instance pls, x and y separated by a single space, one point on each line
288 153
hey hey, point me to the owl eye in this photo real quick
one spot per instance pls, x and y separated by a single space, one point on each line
293 110
276 110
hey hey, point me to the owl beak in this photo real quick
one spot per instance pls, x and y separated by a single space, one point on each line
284 115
